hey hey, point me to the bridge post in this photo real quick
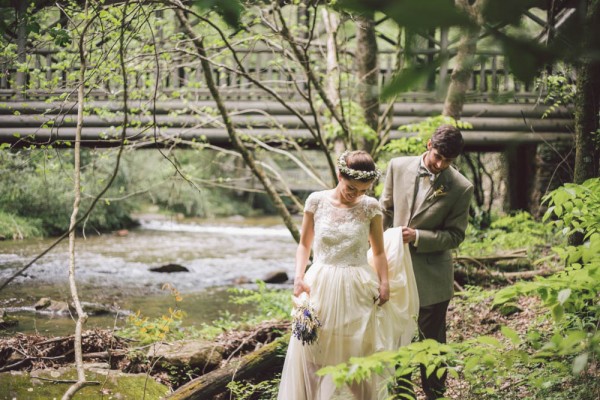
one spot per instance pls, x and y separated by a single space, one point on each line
519 176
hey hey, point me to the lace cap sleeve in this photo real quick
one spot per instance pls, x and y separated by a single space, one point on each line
373 208
311 203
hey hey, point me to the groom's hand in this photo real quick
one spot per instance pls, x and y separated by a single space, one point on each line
409 235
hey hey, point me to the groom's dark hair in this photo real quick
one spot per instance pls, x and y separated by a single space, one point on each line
448 141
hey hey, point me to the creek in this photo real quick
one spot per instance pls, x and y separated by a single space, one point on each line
115 270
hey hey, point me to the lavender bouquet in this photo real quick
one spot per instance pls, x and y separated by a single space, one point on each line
305 323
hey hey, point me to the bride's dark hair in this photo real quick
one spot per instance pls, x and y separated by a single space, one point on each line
359 161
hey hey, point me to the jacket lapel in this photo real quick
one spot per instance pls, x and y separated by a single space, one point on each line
440 186
410 183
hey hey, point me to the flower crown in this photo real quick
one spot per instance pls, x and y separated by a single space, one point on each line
355 173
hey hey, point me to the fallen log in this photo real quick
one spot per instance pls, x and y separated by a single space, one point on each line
259 364
483 260
463 275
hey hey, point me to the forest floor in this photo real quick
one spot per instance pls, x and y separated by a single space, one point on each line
472 317
467 318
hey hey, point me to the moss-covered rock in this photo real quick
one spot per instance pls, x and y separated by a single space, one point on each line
6 321
42 384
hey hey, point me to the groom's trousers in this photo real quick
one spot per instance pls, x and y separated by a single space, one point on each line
432 325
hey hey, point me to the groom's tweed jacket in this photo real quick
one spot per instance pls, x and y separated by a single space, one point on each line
441 220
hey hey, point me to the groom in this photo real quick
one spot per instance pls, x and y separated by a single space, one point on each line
430 201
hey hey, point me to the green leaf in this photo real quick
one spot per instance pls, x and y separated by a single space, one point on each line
471 363
564 295
511 334
230 10
414 14
506 11
489 341
430 369
525 57
33 27
453 373
580 363
558 312
440 371
61 37
408 78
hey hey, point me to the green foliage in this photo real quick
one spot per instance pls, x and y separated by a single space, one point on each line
559 92
36 188
61 36
209 195
415 145
510 232
224 323
408 78
166 327
229 10
119 386
15 227
542 360
269 303
265 390
37 184
525 56
419 15
578 209
355 115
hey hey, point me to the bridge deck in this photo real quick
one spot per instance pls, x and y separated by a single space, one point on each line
495 126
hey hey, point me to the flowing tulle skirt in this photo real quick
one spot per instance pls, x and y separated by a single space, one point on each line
353 325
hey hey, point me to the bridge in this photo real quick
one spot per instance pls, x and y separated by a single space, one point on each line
37 101
37 97
25 123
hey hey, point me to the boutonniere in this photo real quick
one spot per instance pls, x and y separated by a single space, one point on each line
439 192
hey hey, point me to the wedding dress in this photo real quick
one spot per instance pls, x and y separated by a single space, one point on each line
343 288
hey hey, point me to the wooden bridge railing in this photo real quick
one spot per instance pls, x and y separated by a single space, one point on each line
46 76
495 126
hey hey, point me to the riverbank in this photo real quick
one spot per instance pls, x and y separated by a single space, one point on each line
468 317
116 270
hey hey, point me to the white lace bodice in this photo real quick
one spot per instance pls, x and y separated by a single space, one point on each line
341 234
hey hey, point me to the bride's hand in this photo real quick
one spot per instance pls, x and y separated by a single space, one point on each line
384 292
300 286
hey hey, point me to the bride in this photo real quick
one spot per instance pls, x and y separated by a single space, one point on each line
365 299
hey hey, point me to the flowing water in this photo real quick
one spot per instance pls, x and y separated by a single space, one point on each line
115 270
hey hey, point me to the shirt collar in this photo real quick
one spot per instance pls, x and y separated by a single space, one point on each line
432 176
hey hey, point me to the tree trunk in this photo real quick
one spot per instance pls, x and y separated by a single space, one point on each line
519 172
368 73
332 78
456 94
81 315
20 81
231 131
461 74
587 104
587 100
553 168
258 365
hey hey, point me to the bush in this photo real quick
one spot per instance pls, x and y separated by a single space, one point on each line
510 232
14 227
38 184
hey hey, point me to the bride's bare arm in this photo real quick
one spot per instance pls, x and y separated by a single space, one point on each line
307 234
379 258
